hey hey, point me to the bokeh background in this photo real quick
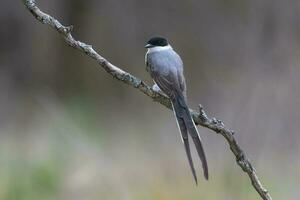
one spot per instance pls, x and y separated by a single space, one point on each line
70 131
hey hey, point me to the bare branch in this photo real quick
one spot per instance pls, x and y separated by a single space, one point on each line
200 117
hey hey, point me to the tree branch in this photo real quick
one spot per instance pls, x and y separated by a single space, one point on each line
200 117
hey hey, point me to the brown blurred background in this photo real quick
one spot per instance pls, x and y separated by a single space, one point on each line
70 131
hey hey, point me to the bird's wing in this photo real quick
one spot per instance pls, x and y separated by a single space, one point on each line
170 85
166 69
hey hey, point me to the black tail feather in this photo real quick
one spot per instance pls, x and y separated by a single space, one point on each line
185 140
186 124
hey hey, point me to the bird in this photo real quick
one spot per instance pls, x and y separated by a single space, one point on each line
166 69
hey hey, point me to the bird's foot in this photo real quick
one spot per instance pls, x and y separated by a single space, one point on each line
156 88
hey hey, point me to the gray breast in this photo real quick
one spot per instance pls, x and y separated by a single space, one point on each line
163 62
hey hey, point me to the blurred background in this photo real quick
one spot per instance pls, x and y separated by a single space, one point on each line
70 131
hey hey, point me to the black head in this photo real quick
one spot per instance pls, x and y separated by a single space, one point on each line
157 42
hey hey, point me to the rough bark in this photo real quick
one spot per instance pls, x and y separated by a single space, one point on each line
200 117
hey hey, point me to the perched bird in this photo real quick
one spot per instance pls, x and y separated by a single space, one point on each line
166 69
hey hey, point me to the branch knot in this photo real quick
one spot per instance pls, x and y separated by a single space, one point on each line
200 118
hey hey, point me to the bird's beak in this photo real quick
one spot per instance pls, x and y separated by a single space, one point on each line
148 46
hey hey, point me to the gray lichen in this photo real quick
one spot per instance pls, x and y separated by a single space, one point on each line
200 117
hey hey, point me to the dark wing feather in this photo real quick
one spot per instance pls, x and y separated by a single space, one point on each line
183 116
168 75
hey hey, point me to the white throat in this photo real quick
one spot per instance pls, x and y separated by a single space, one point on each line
158 48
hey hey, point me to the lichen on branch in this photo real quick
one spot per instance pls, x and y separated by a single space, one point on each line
200 118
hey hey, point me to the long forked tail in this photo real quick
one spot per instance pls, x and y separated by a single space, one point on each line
186 124
185 139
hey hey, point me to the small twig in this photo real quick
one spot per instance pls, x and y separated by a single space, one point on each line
200 117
